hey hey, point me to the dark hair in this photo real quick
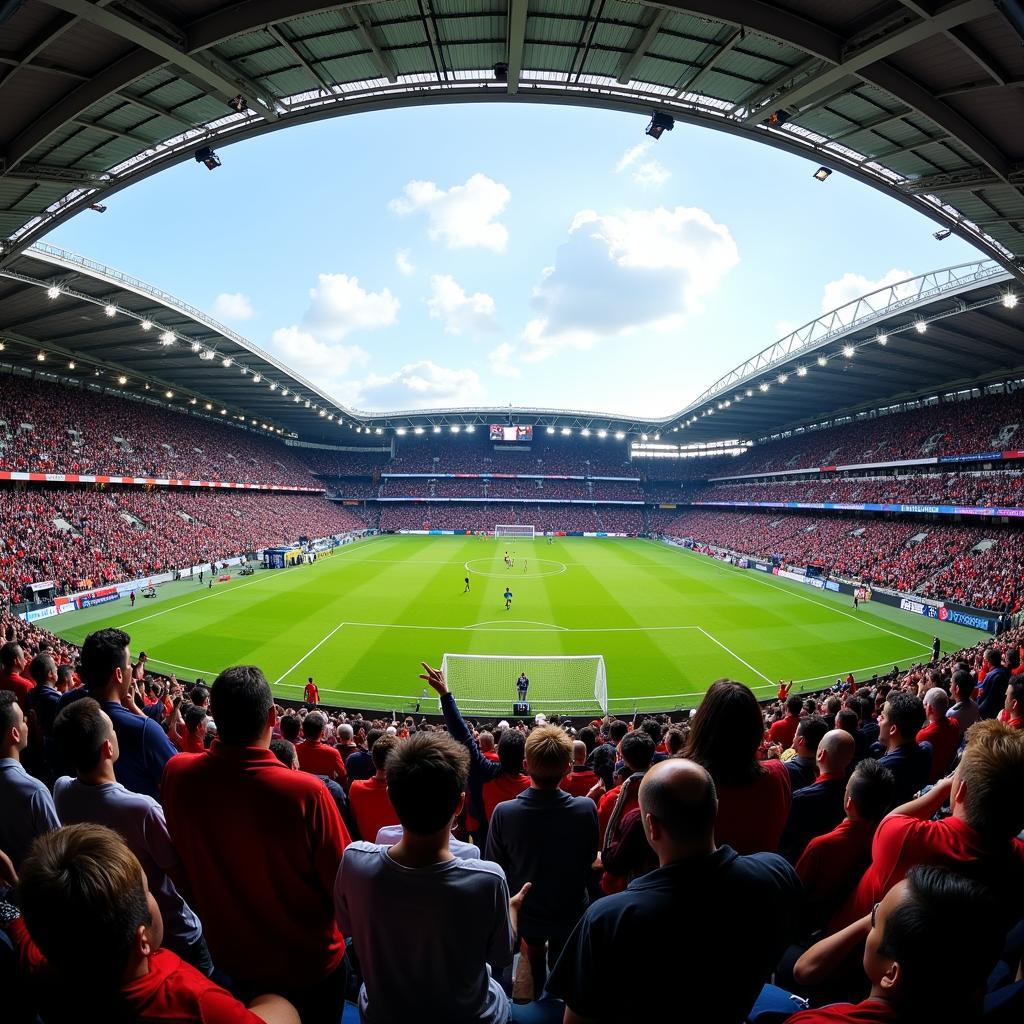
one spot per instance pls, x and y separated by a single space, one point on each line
81 891
994 656
313 725
291 726
511 751
102 653
906 712
652 727
833 706
284 751
617 730
964 684
8 702
684 820
847 720
200 695
194 717
588 736
813 731
427 775
40 668
871 788
65 672
380 750
241 701
372 736
943 910
9 654
637 750
674 740
79 732
726 733
794 705
1017 689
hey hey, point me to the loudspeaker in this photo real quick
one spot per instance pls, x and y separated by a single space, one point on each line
521 709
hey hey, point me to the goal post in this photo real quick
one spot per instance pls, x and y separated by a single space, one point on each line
485 684
514 530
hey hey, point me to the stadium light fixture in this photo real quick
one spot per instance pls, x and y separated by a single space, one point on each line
643 437
52 292
297 398
273 385
95 373
256 378
882 339
660 123
417 430
585 432
602 434
206 155
620 435
763 386
223 412
455 428
245 371
657 437
920 327
801 371
750 394
208 407
197 347
822 174
942 235
168 394
566 431
146 325
822 361
323 412
226 362
551 430
378 431
239 104
848 351
400 431
711 412
2 346
193 400
122 381
109 310
727 403
71 364
40 357
1009 300
307 404
469 428
437 428
735 398
783 377
166 338
147 387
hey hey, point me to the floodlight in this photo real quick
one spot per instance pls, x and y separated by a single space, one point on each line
501 71
777 118
122 380
920 327
226 362
378 431
763 385
273 385
239 104
455 428
256 378
469 428
109 310
71 364
417 430
822 174
147 325
848 351
52 292
551 430
660 123
323 412
168 394
620 435
400 431
437 428
41 357
750 392
166 338
942 235
783 377
208 407
1009 300
97 207
882 339
602 433
196 346
801 371
822 361
643 437
566 431
585 432
206 155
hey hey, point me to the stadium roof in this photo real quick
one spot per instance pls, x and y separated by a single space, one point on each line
919 98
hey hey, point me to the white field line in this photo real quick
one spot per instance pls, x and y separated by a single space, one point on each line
822 604
527 622
195 600
729 650
187 668
315 647
477 628
855 671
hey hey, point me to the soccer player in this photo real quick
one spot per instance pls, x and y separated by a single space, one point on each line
466 590
508 599
524 565
522 685
131 598
856 601
311 695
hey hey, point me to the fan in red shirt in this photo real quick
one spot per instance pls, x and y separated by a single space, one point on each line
12 664
310 693
784 689
932 909
485 741
753 796
319 758
1013 710
188 732
637 751
831 864
368 798
784 730
272 857
102 949
986 793
941 732
580 780
511 782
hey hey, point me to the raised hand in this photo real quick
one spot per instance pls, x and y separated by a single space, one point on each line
434 678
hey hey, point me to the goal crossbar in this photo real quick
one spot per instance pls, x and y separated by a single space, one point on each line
486 684
514 530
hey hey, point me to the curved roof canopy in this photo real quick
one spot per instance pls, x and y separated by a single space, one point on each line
919 98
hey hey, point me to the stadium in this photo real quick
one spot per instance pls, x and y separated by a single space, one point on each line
279 651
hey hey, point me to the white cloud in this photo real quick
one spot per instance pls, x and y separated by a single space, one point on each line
852 286
404 263
463 216
619 273
645 172
783 328
460 313
419 385
500 360
232 306
340 305
325 364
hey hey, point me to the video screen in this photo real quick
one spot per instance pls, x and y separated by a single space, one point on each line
516 432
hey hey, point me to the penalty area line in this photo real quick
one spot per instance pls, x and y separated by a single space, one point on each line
315 647
729 650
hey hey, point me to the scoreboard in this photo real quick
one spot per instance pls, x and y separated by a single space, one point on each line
517 432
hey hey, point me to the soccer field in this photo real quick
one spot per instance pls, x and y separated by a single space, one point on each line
668 622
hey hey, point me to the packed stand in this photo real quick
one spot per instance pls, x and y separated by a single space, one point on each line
523 490
484 517
72 534
870 826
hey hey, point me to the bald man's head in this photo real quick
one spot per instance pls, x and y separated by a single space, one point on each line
579 752
835 752
680 796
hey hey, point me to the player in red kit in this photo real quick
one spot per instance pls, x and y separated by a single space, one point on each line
311 695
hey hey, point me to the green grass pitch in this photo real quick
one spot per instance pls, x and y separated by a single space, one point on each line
668 622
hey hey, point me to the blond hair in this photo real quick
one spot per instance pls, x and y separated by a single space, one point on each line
548 753
992 768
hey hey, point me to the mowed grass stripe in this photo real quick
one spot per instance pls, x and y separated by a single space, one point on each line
620 598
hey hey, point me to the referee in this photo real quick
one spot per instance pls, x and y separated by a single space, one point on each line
522 685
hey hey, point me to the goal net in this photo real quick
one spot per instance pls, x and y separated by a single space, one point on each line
513 530
486 684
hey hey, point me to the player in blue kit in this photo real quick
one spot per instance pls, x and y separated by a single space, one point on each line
508 599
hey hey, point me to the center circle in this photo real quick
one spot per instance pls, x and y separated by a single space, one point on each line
556 568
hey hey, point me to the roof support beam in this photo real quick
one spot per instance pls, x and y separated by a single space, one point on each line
44 67
117 133
223 81
142 104
871 123
44 174
697 80
632 61
515 41
318 78
855 59
383 62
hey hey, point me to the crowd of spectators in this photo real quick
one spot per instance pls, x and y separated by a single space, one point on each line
71 534
484 516
841 844
523 490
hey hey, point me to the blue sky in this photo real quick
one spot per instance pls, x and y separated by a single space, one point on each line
508 253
